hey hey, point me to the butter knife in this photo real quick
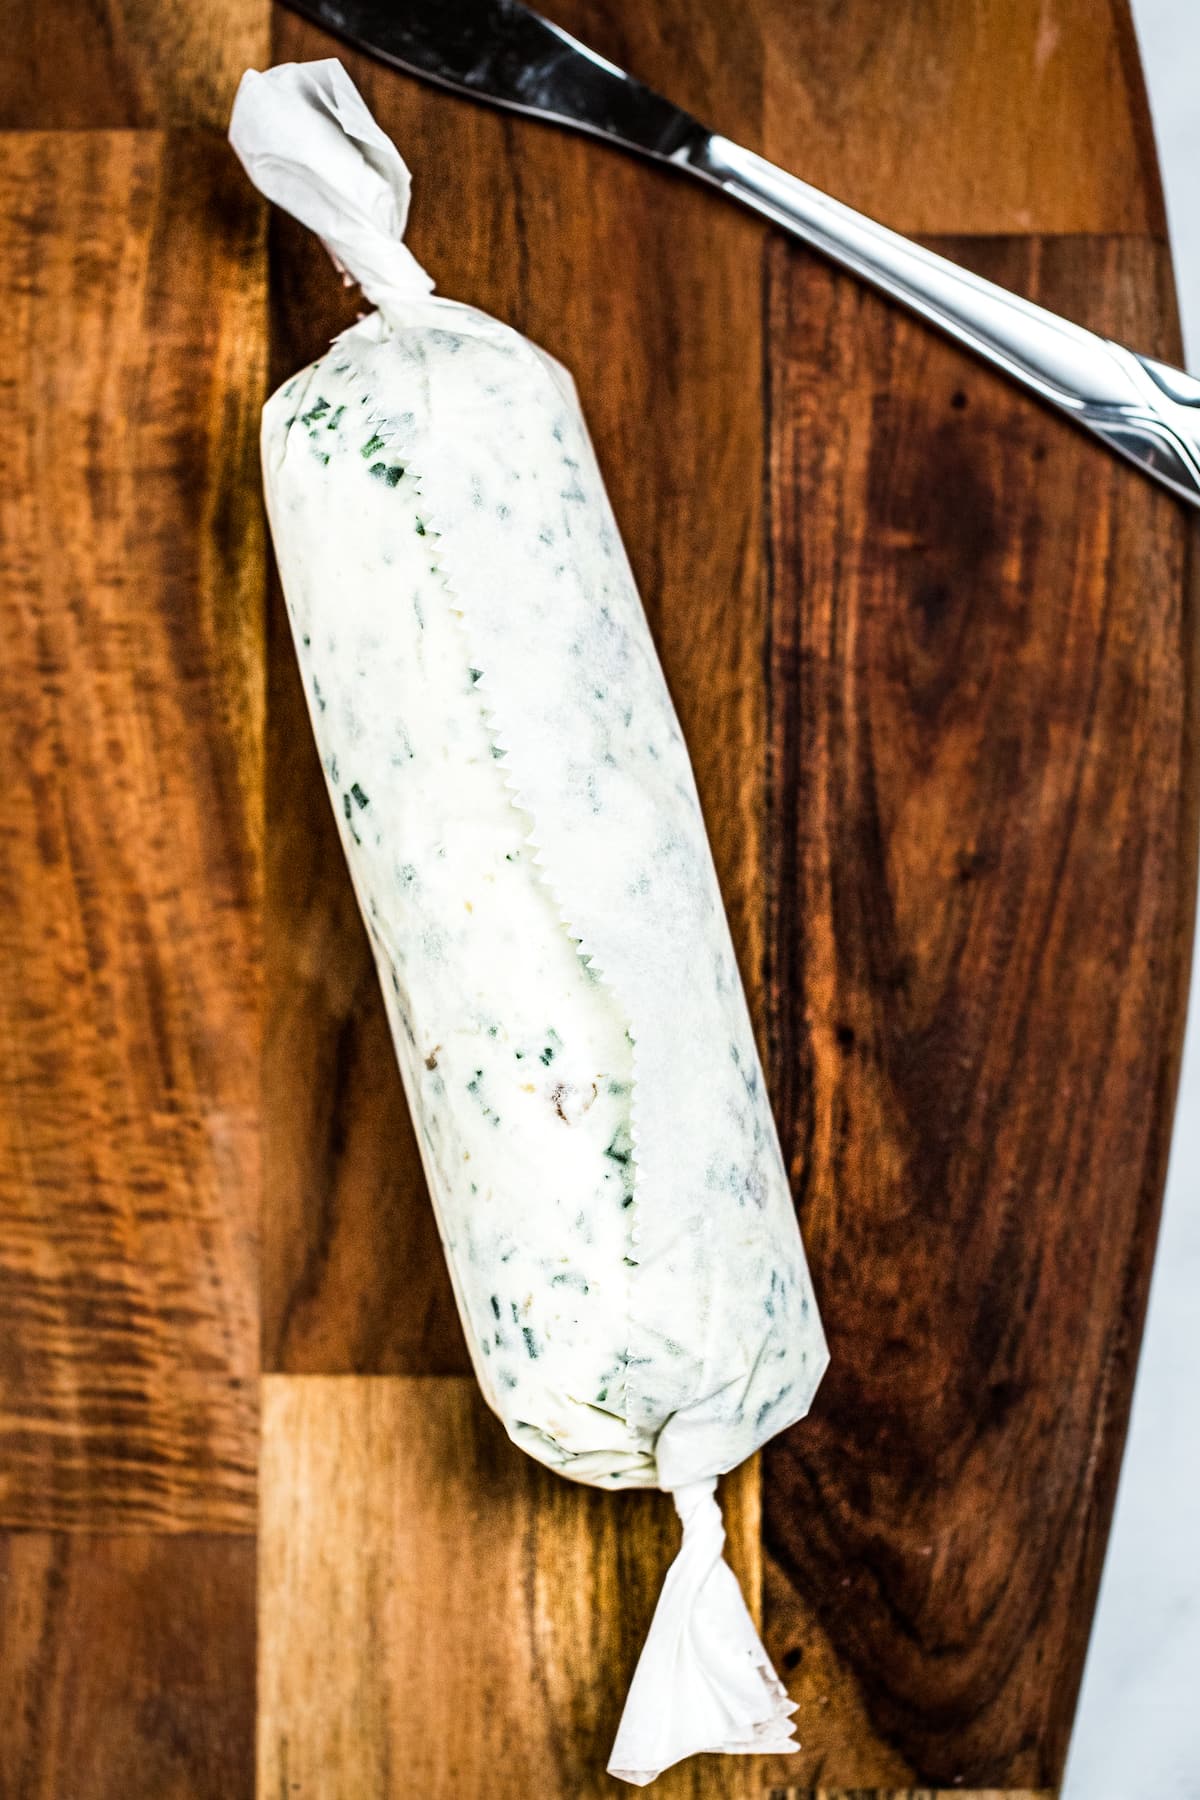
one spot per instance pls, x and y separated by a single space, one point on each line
500 51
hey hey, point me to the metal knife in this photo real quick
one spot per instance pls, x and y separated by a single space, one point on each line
500 51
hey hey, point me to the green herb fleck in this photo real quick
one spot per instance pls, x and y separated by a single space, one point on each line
392 473
530 1342
373 444
358 794
621 1147
420 529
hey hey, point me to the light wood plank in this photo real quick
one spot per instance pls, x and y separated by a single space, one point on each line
441 1615
130 832
982 116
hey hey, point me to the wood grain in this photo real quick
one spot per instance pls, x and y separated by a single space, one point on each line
980 116
983 784
112 63
965 936
352 1275
128 1667
130 645
442 1616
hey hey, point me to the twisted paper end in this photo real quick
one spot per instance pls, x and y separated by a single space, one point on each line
703 1680
305 137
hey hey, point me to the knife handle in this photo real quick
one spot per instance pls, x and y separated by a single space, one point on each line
1145 410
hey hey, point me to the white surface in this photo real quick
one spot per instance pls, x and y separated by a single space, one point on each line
1137 1732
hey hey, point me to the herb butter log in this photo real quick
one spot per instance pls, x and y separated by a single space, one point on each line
521 823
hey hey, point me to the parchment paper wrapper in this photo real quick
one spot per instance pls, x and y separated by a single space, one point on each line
626 1260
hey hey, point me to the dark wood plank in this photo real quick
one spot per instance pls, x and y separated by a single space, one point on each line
128 1667
531 225
795 1793
130 831
442 1616
112 63
982 791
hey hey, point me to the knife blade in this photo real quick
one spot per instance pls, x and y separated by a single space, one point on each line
501 52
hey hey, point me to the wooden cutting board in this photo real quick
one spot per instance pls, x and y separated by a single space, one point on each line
935 656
